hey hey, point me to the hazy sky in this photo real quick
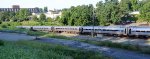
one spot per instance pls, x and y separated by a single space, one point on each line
51 4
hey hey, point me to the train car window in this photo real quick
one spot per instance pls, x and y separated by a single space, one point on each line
137 31
143 31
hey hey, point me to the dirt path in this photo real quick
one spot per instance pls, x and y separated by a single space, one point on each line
115 53
15 36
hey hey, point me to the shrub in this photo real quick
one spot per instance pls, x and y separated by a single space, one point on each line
1 42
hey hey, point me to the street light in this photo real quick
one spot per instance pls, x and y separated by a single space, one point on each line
93 23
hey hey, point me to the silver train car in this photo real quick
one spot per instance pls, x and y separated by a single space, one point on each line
42 28
113 30
118 30
69 29
139 31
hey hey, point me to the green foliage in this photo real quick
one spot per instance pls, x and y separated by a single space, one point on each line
135 5
34 18
23 15
38 50
145 13
77 16
49 19
42 17
108 13
1 42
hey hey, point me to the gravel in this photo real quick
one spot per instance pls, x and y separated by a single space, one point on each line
112 52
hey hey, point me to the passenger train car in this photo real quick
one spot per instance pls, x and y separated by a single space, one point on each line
139 31
42 28
113 30
68 29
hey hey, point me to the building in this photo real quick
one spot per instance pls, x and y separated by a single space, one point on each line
16 8
51 13
134 13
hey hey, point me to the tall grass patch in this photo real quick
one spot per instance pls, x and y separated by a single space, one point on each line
39 50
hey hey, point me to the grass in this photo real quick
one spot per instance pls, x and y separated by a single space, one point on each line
39 50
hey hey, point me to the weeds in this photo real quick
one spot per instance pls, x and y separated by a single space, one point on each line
38 50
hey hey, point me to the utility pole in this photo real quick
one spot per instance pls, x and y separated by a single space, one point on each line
93 23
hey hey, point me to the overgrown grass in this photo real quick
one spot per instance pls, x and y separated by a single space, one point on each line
36 33
38 50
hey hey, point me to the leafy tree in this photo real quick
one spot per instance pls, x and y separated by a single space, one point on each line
14 19
42 17
35 18
125 7
108 12
23 15
78 16
49 19
145 12
135 5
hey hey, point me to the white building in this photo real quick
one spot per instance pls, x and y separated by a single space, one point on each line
51 13
134 13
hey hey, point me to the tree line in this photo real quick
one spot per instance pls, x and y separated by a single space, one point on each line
105 13
108 12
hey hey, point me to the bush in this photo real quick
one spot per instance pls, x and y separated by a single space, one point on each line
1 42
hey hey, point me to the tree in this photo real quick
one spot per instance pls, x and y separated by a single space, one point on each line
45 9
77 16
145 12
14 19
35 18
23 15
42 17
49 19
135 5
108 12
125 7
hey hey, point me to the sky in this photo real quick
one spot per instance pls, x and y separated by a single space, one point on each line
51 4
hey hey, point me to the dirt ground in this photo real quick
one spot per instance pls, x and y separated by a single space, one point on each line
15 36
124 40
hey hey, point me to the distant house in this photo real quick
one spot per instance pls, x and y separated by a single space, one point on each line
51 13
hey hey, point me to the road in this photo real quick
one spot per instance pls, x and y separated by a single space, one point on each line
115 53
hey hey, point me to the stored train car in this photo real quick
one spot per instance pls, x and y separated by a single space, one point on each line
139 31
25 27
89 29
118 30
42 28
113 30
68 29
